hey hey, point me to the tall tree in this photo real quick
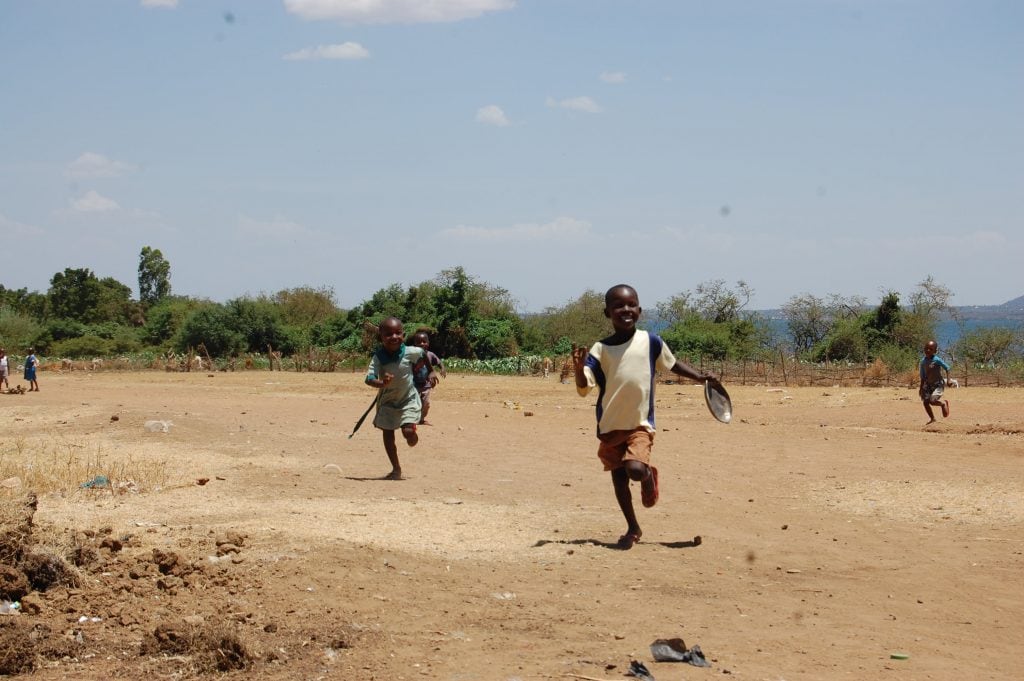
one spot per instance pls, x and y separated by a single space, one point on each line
154 276
75 294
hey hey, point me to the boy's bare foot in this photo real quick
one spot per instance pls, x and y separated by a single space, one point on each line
627 540
394 475
409 432
930 422
945 408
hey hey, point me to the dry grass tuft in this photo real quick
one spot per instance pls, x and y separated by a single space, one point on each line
17 647
24 643
208 648
16 527
45 570
65 466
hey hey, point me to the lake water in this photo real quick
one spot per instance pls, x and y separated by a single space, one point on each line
947 332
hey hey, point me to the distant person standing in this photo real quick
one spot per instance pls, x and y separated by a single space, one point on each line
4 369
932 383
31 365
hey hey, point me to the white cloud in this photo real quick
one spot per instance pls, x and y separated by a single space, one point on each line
585 104
91 164
491 115
395 11
12 229
343 51
702 237
613 77
170 4
559 229
93 202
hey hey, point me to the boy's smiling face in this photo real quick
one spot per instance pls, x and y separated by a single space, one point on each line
421 340
622 307
392 334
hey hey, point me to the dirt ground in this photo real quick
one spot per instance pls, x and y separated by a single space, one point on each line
835 531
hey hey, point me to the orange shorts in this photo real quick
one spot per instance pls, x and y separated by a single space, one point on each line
620 446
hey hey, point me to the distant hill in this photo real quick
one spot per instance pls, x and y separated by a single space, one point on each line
1011 311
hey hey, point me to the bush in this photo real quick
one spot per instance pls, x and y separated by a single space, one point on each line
898 358
213 327
19 330
83 346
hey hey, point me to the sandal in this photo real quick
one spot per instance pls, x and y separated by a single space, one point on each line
627 540
649 493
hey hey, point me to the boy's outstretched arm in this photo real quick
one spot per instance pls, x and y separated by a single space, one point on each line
683 369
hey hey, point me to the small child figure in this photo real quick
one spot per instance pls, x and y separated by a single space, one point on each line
4 369
623 366
932 383
421 372
31 366
398 405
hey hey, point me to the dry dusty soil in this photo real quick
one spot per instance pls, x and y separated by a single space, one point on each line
825 533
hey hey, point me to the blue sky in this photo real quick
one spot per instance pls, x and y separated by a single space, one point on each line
546 146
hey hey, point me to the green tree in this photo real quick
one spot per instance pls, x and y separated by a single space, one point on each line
74 294
214 326
18 330
306 306
165 319
710 322
154 276
580 321
20 300
260 324
808 319
454 308
990 346
115 304
493 338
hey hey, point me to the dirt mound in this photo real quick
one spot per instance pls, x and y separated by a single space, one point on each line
151 609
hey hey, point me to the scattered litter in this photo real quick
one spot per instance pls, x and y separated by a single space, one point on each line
98 481
85 618
504 596
637 669
899 656
675 650
158 426
527 413
9 607
331 468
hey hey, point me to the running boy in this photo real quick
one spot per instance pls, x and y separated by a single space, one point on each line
623 367
398 405
932 382
421 372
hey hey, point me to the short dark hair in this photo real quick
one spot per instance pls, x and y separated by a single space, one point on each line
608 293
